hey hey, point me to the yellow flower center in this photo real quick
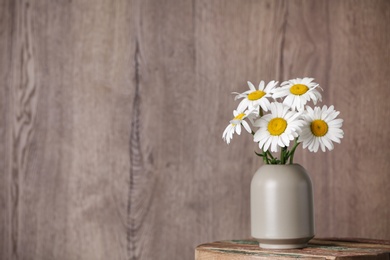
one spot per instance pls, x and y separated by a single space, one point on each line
255 95
299 89
238 117
319 127
277 126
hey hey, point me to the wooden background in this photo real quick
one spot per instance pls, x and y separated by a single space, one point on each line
111 116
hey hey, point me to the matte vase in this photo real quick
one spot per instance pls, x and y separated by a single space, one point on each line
282 206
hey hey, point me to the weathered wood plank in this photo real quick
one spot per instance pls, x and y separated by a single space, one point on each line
68 103
317 249
5 178
23 88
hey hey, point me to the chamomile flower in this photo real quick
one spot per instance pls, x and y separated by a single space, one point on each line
254 98
278 128
321 128
297 92
235 125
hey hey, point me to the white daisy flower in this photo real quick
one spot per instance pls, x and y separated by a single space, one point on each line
298 92
277 128
235 125
256 98
321 128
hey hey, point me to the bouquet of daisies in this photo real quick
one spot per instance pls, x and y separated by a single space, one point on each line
279 116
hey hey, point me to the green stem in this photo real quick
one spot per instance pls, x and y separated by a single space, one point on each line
282 156
265 158
293 150
270 155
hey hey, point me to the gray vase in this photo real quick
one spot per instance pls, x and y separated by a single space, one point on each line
282 206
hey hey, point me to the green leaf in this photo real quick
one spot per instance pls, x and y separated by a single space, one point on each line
258 154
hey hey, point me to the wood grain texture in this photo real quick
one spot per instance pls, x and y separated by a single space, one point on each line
112 114
67 130
316 249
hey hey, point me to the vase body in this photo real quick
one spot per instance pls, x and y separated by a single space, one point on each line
282 214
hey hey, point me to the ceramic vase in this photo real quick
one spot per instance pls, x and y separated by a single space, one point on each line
282 206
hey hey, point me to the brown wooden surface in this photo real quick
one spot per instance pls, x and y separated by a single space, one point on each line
112 114
317 249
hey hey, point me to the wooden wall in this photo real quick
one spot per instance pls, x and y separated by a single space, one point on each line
111 116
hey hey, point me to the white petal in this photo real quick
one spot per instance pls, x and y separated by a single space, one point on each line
243 105
251 86
238 129
280 142
262 142
316 144
261 85
246 126
267 144
274 144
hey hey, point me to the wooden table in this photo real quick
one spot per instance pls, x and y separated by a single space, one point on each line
317 249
